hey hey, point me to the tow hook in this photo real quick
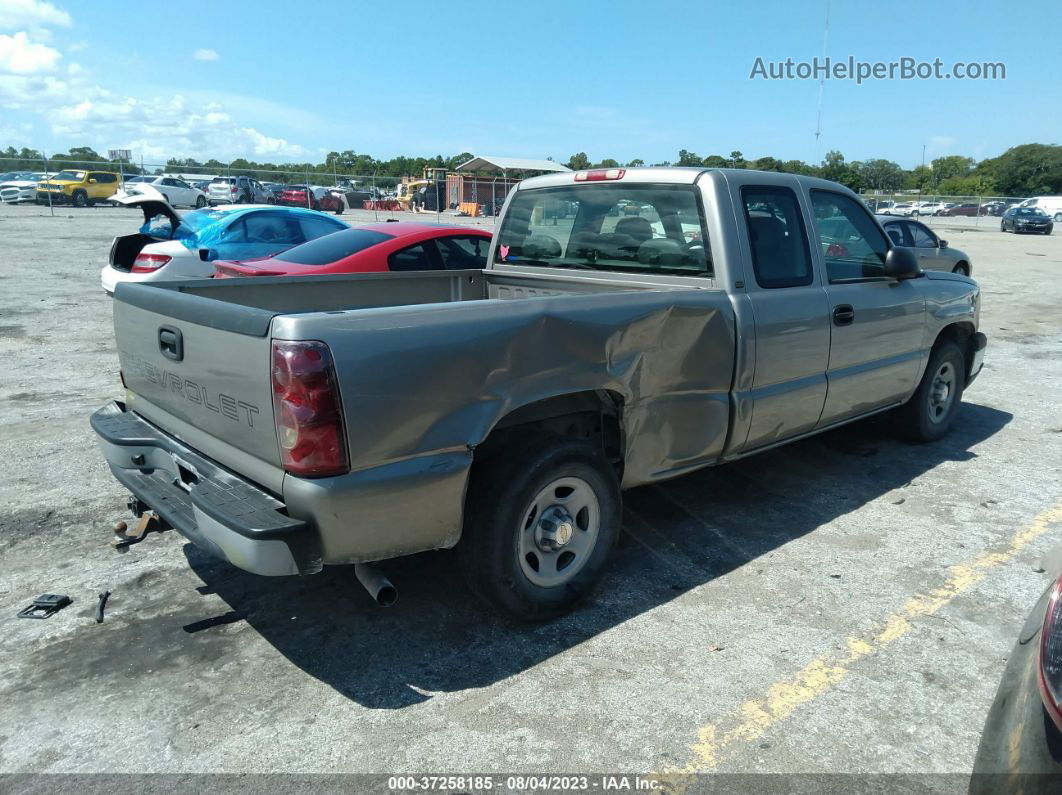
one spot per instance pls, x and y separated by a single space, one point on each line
124 537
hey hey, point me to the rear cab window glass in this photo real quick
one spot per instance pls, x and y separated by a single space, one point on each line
859 251
777 239
614 226
333 247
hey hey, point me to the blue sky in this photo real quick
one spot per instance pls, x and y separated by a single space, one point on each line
292 81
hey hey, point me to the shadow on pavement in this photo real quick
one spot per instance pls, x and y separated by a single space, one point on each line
678 536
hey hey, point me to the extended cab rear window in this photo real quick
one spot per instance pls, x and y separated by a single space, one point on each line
616 226
333 247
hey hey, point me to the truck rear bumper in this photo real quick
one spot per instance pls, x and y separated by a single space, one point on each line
219 512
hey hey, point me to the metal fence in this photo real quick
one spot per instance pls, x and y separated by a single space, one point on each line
381 188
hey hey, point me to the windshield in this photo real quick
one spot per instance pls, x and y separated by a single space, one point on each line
71 175
1029 211
615 226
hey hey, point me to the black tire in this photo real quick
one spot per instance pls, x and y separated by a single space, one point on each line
200 202
1002 226
961 267
80 198
499 514
339 208
315 205
921 418
1057 217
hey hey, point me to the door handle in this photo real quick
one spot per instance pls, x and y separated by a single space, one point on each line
171 343
843 315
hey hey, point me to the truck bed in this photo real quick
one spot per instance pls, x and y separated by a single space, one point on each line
253 302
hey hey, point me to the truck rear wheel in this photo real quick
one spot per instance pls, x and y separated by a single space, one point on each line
540 522
930 412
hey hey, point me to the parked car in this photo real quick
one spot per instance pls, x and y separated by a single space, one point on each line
901 209
22 187
1051 205
175 191
315 198
1026 219
355 418
933 252
400 246
1021 743
170 247
929 208
237 190
77 187
969 209
996 208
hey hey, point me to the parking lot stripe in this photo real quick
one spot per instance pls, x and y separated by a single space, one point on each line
756 716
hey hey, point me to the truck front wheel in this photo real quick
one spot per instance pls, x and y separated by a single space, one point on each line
930 412
540 522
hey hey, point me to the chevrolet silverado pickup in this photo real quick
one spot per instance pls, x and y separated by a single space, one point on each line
631 325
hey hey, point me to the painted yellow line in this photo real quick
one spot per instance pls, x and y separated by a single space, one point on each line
755 717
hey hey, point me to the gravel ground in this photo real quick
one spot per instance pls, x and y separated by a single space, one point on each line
825 607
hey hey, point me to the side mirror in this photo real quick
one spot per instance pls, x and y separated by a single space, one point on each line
901 263
942 243
210 254
92 181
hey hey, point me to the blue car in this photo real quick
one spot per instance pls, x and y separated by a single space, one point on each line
170 247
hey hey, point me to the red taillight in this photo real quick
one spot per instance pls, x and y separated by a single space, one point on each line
598 174
307 411
233 189
146 263
1050 667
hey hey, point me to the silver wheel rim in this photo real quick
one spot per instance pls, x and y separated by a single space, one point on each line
558 531
942 392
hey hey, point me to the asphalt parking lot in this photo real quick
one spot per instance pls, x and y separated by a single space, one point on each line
844 604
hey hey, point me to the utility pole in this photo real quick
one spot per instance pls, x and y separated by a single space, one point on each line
922 174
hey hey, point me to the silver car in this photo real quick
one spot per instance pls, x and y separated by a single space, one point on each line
238 190
933 253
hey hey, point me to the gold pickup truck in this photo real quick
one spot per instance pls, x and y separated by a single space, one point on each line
79 188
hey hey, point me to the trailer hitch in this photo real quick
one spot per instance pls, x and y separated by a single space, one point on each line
124 537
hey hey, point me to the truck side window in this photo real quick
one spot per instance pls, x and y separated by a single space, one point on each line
780 254
860 254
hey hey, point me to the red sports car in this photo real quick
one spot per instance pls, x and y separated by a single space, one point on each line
393 246
311 198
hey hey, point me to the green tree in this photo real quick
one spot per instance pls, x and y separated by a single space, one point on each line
952 166
636 163
882 175
686 158
1029 170
737 160
768 164
608 162
578 162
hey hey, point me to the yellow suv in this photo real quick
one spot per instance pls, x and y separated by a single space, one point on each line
79 188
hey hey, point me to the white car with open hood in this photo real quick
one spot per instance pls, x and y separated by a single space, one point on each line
170 247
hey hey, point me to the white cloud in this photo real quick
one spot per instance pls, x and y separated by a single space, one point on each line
20 56
81 112
32 15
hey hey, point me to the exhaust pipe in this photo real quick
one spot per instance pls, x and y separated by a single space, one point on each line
378 586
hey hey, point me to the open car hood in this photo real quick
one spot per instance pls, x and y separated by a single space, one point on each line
150 202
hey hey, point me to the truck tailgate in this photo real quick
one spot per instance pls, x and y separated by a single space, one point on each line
199 380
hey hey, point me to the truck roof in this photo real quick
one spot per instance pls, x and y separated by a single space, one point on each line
682 175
